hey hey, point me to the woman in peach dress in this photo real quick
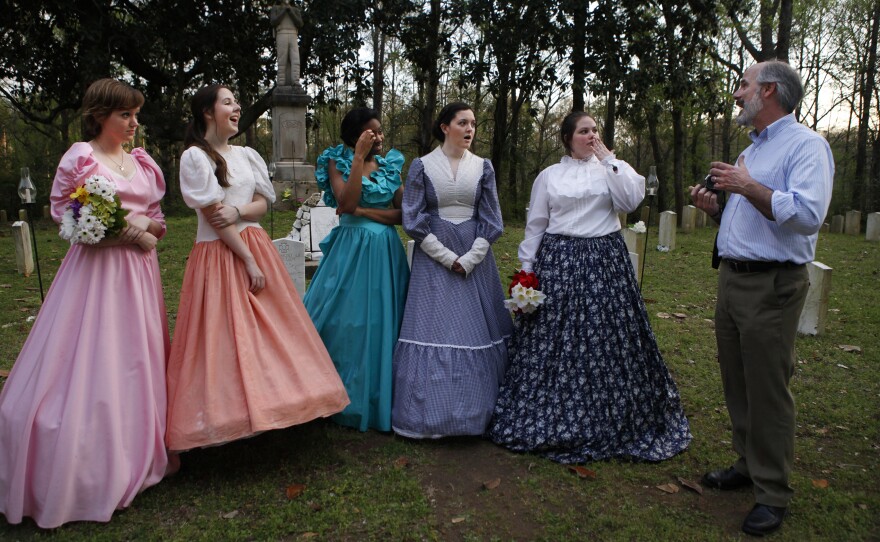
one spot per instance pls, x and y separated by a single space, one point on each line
245 356
82 414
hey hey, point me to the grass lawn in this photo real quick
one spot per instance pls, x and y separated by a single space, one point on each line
324 482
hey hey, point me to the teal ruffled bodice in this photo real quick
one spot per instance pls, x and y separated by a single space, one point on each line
377 192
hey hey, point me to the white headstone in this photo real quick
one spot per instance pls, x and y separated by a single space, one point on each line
621 217
635 242
293 254
322 219
853 223
634 260
702 217
688 219
24 252
667 229
410 247
814 315
837 224
872 231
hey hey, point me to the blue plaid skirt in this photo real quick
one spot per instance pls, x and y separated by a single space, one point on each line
586 380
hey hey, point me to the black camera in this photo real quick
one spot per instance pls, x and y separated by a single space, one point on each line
709 183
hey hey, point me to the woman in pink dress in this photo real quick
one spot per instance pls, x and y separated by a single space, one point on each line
82 415
245 357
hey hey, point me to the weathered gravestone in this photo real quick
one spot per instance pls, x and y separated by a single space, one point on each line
667 230
837 224
853 223
24 254
688 219
293 254
815 313
635 242
872 231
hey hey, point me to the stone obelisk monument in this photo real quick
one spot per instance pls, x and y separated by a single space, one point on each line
289 101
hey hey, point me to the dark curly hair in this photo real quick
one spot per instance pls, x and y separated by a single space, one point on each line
353 124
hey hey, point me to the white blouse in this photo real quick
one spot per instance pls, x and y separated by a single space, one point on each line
246 173
579 198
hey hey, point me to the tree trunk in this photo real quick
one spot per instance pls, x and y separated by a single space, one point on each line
379 41
578 56
610 115
867 92
678 145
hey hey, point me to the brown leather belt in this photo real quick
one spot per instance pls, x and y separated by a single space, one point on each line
738 266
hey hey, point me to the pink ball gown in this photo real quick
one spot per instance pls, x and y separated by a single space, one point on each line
82 415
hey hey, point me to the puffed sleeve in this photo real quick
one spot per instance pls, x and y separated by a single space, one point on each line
198 184
76 165
341 157
626 186
417 221
536 222
261 174
490 225
157 185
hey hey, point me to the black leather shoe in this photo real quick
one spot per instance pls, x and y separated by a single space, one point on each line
764 519
726 479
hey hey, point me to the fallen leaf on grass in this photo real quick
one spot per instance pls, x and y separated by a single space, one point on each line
294 490
668 488
820 483
849 348
3 373
842 366
459 519
582 472
664 315
24 309
10 324
691 485
401 462
308 535
31 289
5 286
230 515
492 484
863 506
680 315
315 506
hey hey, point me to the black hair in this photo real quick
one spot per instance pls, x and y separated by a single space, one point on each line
353 124
447 114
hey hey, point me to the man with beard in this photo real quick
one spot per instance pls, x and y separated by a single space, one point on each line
779 192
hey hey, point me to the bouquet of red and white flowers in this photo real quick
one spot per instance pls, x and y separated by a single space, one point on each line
525 296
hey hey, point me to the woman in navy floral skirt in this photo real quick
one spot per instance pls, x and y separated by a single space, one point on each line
586 380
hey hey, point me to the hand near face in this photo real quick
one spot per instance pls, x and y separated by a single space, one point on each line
600 150
365 143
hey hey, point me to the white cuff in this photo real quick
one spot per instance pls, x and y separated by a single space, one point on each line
432 246
475 255
527 267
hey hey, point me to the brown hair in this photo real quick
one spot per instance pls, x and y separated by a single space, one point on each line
569 123
203 102
102 98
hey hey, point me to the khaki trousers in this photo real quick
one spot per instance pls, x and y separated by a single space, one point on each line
756 321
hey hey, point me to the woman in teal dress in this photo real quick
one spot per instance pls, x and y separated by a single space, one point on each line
357 295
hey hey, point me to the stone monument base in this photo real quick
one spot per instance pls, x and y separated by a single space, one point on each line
297 177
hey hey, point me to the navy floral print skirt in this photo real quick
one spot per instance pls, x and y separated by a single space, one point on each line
586 380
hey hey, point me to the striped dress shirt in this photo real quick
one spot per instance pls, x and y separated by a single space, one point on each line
796 163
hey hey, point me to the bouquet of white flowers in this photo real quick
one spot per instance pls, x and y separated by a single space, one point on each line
94 212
